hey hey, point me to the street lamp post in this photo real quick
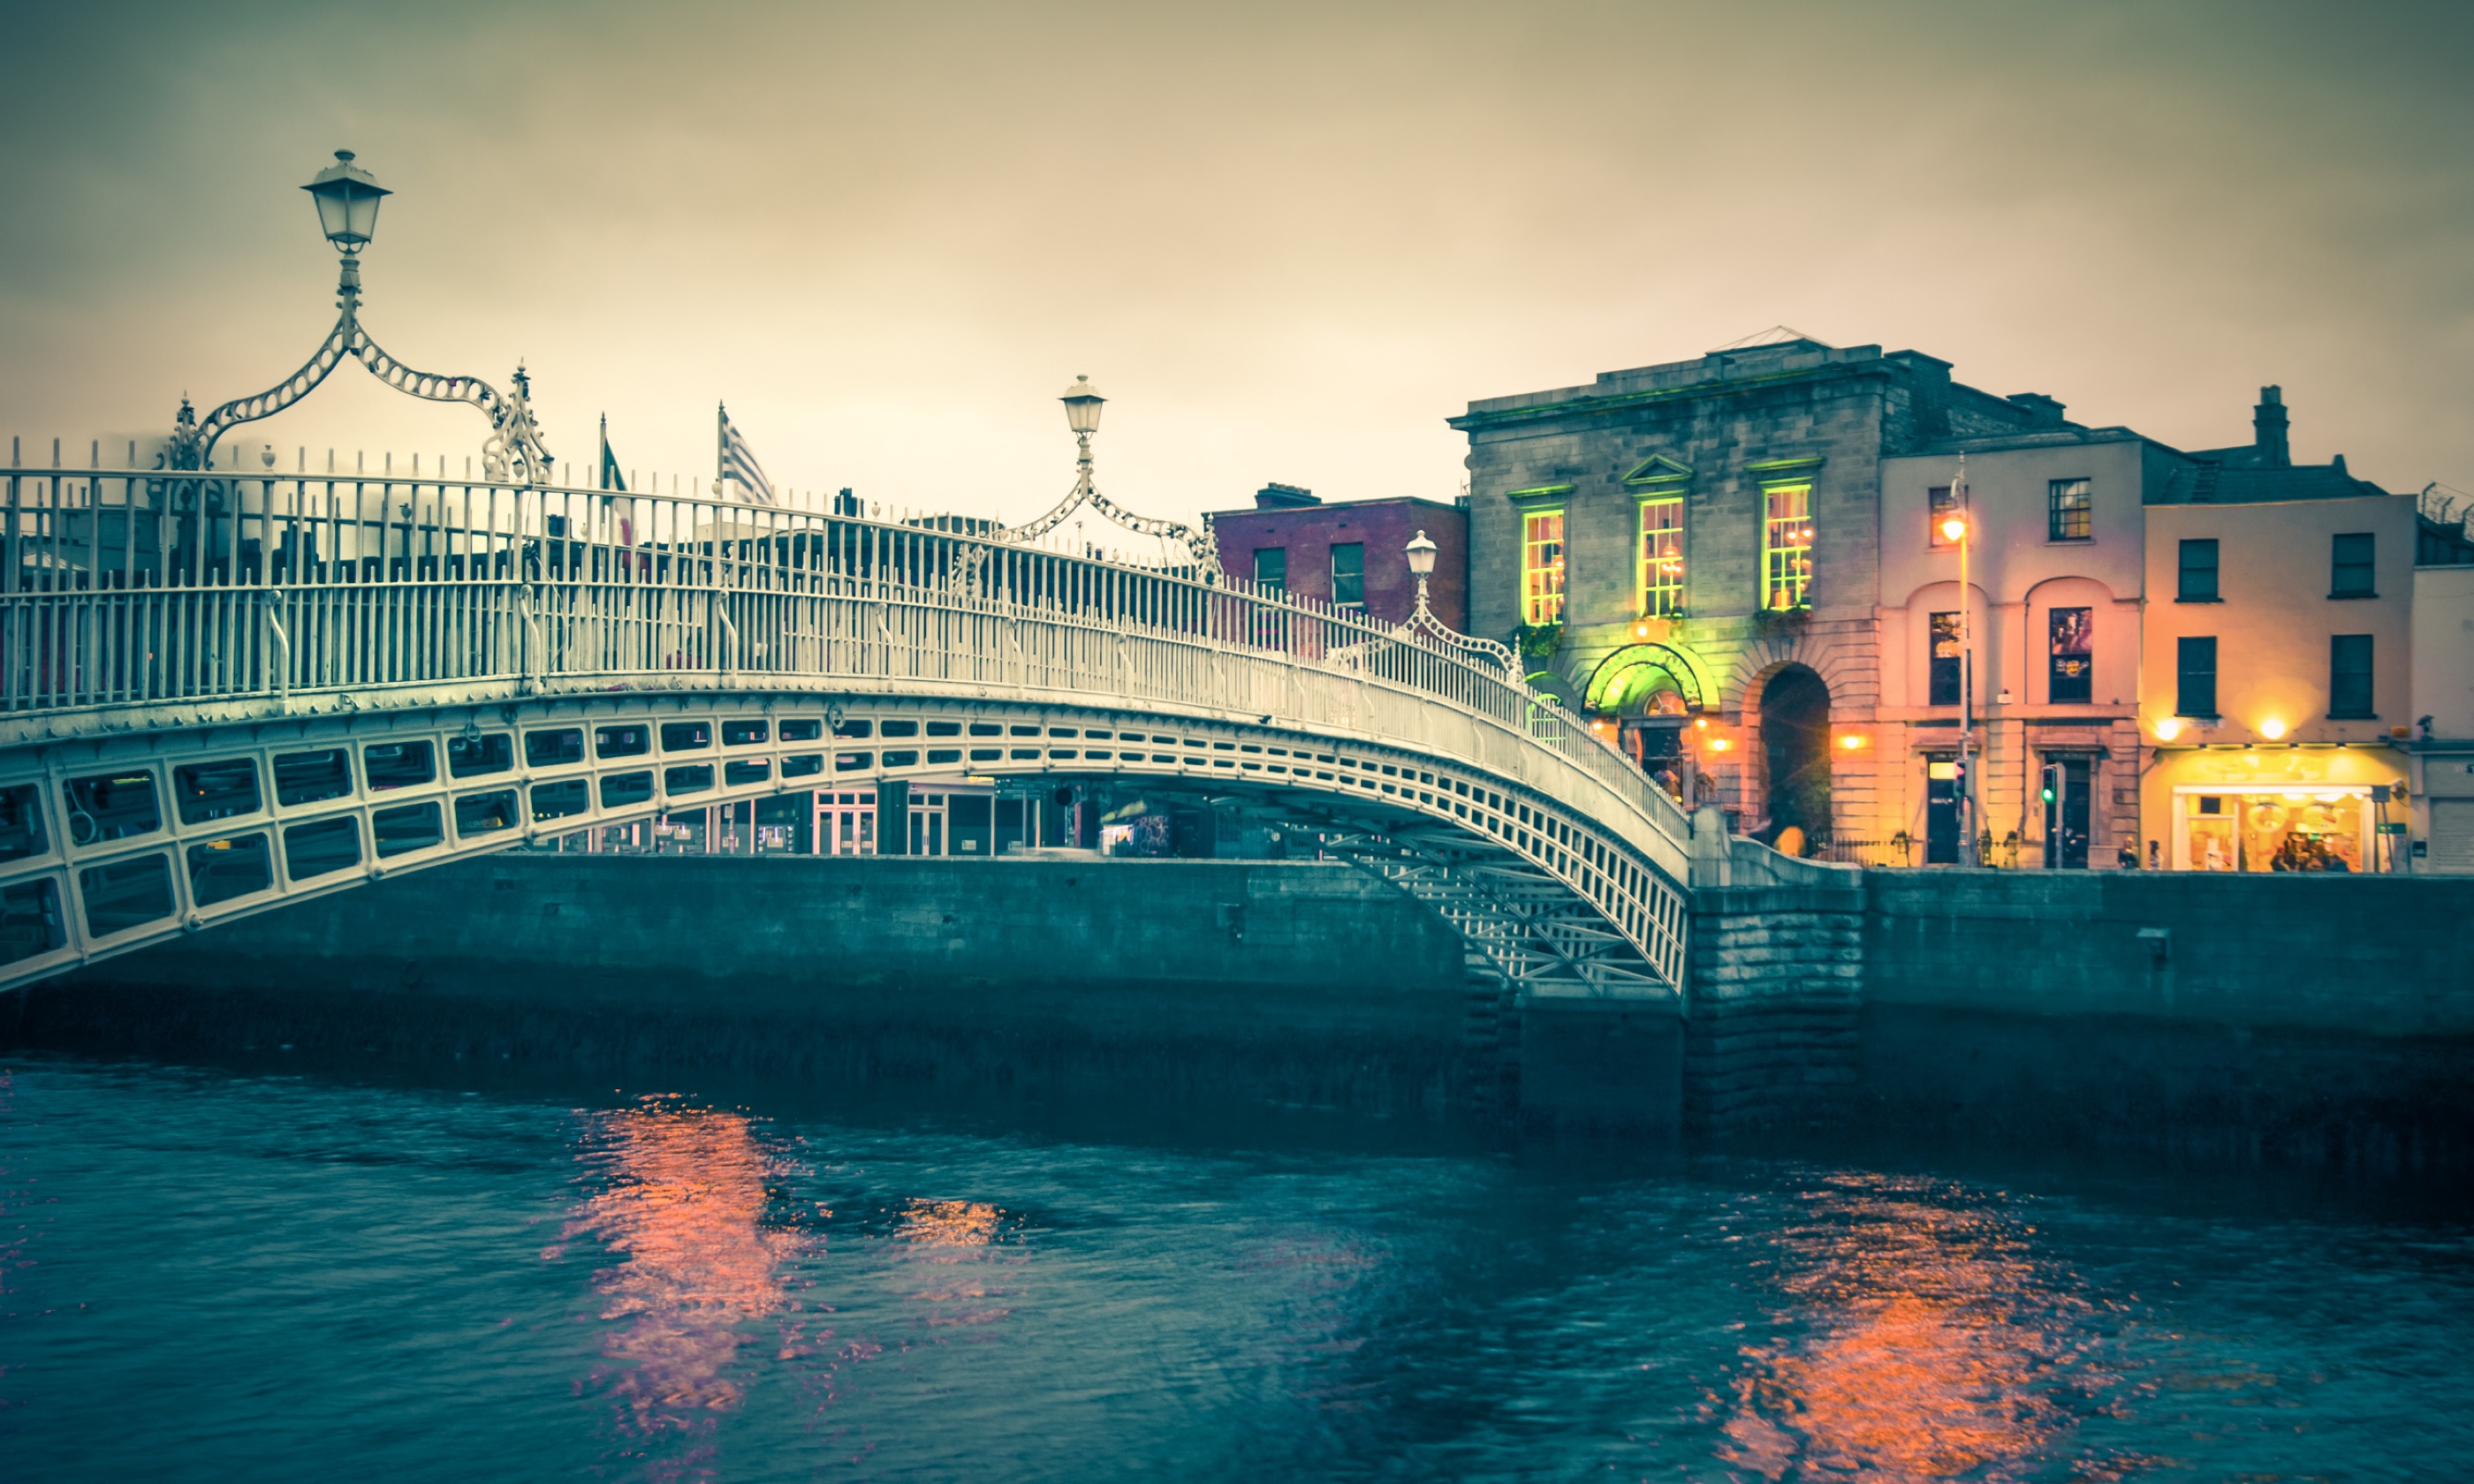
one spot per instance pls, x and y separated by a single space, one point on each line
347 196
1960 526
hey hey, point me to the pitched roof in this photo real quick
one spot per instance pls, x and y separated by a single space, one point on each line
2210 482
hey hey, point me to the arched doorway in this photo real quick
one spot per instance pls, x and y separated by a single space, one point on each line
1795 747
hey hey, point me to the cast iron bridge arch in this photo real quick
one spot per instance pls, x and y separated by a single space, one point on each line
226 693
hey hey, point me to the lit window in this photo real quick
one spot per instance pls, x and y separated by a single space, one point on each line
2349 675
1940 504
1787 545
1541 567
1944 669
1348 574
1271 569
1661 558
2071 507
2071 645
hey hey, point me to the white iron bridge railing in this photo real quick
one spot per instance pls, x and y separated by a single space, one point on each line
162 588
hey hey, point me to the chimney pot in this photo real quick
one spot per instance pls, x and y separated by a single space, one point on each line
2267 429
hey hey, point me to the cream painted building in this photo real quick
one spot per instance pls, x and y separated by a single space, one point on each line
2056 571
2277 659
2441 754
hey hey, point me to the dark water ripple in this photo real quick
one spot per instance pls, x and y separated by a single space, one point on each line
211 1275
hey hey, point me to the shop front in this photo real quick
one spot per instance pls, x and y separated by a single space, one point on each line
2325 810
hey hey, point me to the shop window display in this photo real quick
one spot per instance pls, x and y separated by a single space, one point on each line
2275 830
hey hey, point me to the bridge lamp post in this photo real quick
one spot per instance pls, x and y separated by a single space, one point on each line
347 196
1422 564
1082 402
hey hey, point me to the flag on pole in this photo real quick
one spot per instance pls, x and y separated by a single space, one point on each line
737 463
609 479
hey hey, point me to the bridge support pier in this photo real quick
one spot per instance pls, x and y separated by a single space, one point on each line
1775 987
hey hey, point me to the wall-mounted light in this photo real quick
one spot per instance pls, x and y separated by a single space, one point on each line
1851 741
2271 728
1719 744
1701 722
1953 528
2167 728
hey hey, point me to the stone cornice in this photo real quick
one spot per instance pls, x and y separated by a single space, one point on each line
1619 402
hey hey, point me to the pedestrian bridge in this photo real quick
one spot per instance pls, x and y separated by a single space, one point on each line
223 693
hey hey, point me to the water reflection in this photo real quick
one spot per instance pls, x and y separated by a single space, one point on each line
966 1277
679 1194
1926 1342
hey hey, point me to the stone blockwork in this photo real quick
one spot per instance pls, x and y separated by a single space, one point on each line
1778 984
1715 431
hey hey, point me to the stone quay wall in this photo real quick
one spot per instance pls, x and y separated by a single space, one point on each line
2317 1018
2323 1019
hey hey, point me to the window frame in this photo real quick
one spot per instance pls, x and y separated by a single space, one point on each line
1357 603
2340 647
1278 584
1956 661
1940 501
2055 511
1544 581
2183 570
1657 587
2183 672
2368 567
1786 568
2055 658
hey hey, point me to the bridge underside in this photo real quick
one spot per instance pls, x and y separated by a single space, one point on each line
108 843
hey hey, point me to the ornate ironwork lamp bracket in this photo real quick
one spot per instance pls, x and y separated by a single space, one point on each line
348 198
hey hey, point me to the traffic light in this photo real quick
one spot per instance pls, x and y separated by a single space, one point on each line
2052 781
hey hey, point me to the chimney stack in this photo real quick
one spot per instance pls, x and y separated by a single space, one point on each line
1283 497
2267 429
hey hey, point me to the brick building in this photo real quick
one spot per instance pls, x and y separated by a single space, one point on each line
1689 553
1350 554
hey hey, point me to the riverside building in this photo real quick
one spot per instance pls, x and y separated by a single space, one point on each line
1688 555
2278 654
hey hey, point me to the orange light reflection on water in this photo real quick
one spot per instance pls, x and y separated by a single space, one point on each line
1935 1347
681 1202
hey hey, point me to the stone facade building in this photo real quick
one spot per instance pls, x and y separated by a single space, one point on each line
1690 553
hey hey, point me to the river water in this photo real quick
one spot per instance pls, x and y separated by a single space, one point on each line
243 1273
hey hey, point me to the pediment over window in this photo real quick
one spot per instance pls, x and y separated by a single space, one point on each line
1659 470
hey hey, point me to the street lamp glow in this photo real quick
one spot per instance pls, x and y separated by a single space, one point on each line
1852 741
1082 406
348 202
2271 728
2167 728
1422 555
1953 528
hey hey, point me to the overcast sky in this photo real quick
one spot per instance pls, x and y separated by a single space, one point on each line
1288 242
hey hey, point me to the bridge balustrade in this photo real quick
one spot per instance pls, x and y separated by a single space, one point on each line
133 588
153 599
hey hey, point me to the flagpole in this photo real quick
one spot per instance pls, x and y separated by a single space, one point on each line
720 445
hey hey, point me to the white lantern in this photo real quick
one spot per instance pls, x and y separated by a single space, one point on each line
1421 555
348 202
1083 405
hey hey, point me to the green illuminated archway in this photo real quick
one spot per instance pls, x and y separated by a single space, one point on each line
1636 672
